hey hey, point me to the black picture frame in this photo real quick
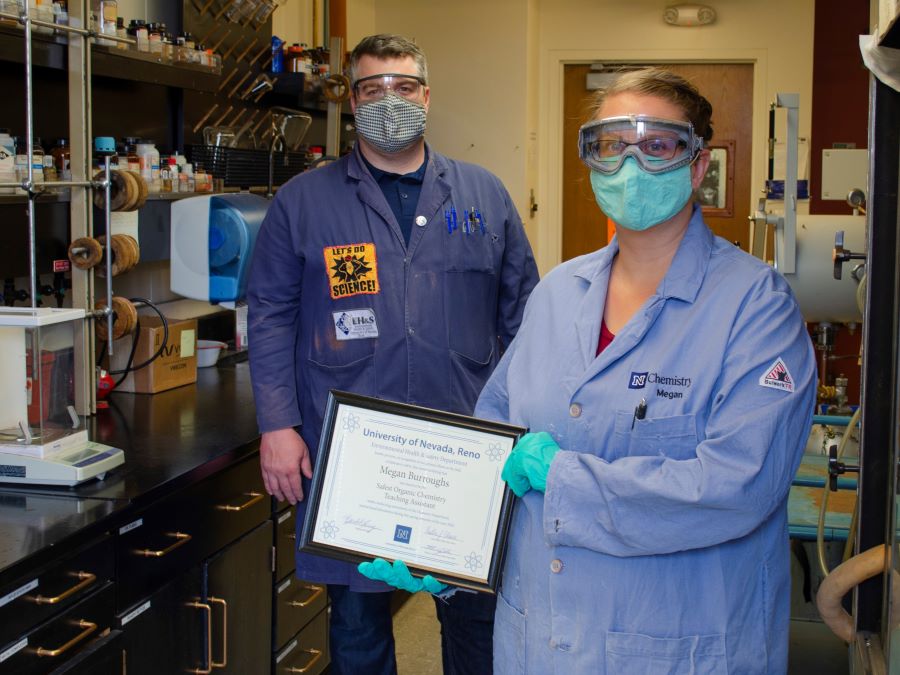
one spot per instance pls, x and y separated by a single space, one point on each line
407 413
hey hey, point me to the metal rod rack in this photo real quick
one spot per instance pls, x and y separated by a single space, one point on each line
81 162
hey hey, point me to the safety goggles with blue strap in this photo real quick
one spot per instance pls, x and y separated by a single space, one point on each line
658 145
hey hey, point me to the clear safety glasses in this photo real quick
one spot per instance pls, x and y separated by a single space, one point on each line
376 87
657 144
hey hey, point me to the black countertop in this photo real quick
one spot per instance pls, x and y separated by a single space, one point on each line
171 439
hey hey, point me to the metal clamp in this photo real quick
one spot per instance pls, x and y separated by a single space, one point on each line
836 468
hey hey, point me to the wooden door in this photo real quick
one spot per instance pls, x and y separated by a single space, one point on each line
238 587
729 88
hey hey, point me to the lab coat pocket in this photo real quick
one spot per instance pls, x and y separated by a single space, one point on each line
645 655
509 638
357 376
470 303
674 437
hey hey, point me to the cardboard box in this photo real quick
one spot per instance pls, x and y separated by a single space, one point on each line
176 366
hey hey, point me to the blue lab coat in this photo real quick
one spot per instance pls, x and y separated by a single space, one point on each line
661 544
331 269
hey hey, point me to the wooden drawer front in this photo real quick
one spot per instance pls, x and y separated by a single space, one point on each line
230 504
156 547
53 643
104 656
178 532
285 542
52 589
296 603
307 652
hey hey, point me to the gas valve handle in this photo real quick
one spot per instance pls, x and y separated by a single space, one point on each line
836 468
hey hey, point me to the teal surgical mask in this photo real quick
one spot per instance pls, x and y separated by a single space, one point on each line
637 200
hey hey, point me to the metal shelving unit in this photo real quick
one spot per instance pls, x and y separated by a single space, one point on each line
80 187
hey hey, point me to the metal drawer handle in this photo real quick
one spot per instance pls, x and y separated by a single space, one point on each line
317 591
317 654
292 536
224 604
206 608
86 580
181 538
87 627
254 498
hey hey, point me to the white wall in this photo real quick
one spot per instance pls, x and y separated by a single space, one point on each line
478 61
496 75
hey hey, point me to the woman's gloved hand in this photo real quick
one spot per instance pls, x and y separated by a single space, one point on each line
398 576
527 466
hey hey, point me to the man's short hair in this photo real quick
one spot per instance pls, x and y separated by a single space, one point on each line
386 46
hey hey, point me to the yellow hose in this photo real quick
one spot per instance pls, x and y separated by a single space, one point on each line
823 507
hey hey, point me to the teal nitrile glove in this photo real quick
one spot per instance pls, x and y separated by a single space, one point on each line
398 576
527 466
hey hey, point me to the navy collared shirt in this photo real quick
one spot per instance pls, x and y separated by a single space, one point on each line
401 192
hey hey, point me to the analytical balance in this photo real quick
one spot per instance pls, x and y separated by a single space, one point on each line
42 438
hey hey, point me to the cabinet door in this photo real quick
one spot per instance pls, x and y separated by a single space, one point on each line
165 633
238 587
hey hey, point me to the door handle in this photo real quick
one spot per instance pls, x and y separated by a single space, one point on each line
88 628
181 539
317 654
206 608
254 498
317 591
224 662
86 580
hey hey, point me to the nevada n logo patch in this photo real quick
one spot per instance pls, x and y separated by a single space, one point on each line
777 376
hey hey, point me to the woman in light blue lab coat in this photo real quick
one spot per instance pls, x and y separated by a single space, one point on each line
668 381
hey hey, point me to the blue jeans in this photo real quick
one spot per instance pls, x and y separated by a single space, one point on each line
467 633
360 632
362 637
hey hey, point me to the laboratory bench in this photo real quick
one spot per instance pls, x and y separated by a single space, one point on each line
177 560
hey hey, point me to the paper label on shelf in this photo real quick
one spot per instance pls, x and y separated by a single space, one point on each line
19 592
188 342
284 516
131 526
19 646
136 612
287 650
284 584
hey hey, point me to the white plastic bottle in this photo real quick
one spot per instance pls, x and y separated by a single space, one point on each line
149 160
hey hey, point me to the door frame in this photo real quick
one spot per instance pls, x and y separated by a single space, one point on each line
550 112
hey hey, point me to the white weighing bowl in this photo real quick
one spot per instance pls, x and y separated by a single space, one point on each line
208 352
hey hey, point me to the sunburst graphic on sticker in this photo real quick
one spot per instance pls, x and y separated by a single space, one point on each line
350 267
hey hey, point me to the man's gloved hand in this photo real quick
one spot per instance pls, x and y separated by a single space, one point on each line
527 466
398 576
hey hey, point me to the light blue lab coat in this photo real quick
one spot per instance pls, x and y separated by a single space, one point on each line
661 544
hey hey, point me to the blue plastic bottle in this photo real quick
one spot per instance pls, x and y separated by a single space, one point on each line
277 54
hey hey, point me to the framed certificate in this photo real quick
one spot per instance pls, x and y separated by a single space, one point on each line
398 481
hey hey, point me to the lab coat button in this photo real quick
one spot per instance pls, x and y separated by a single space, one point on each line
421 220
411 330
556 566
575 410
